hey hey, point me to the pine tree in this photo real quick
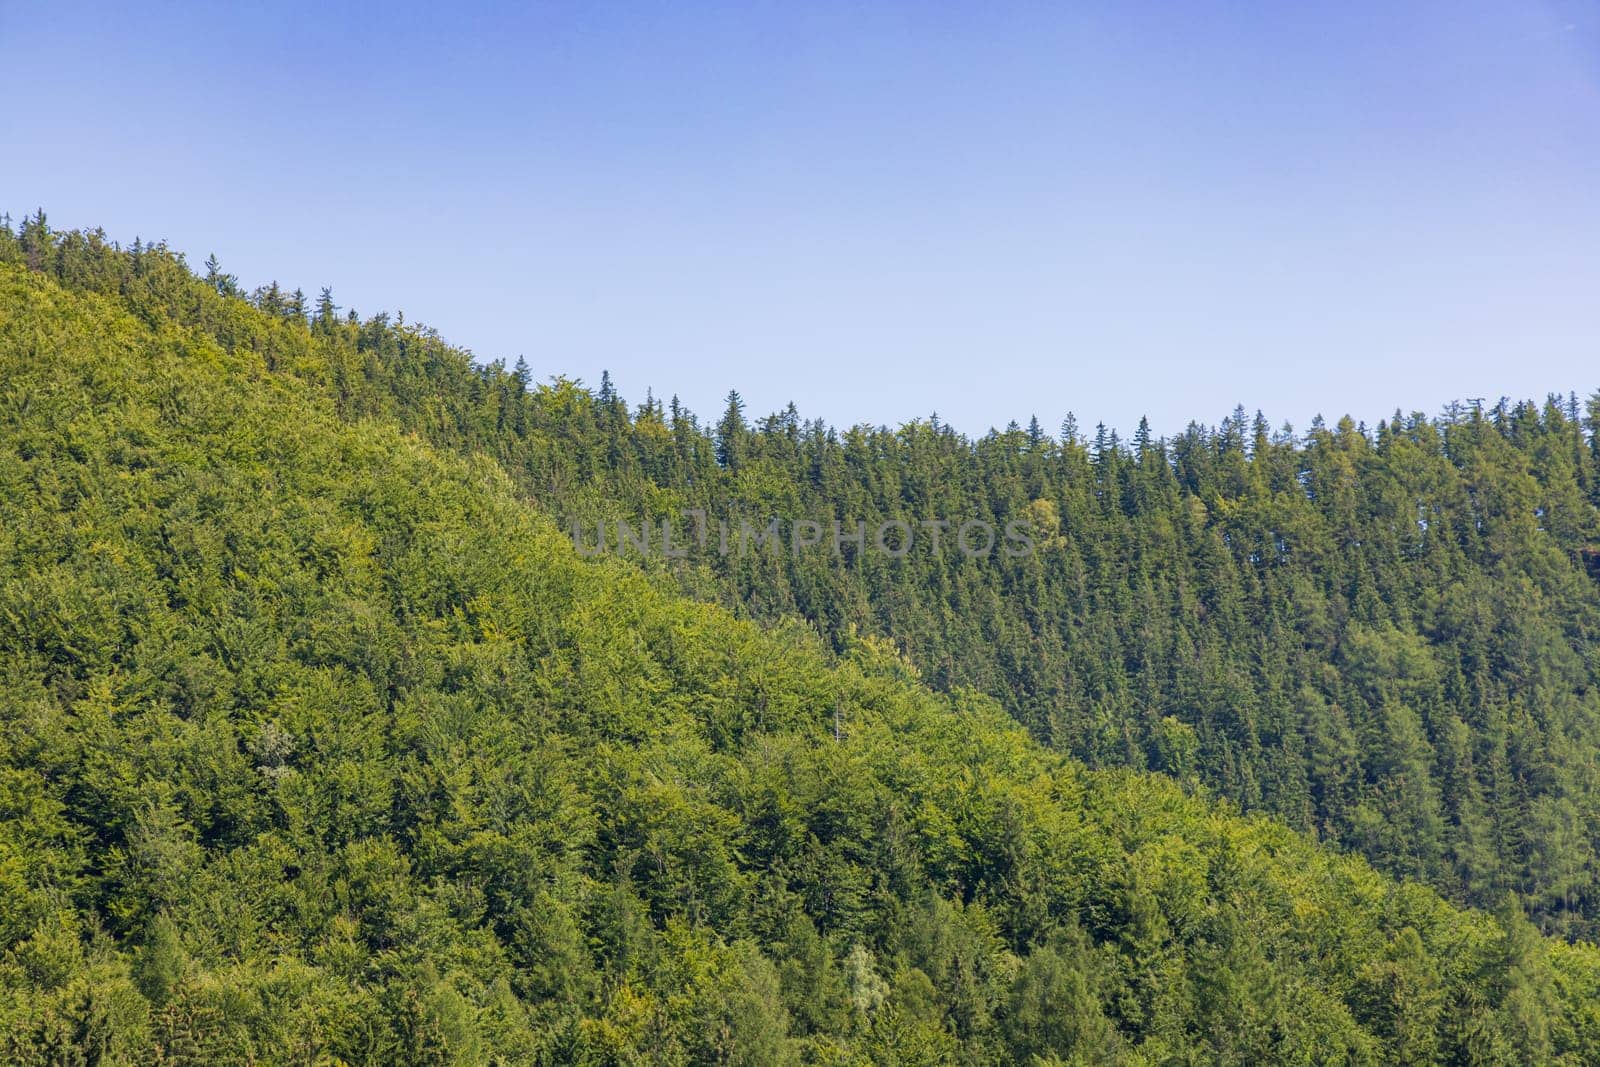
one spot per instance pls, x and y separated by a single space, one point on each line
327 313
731 432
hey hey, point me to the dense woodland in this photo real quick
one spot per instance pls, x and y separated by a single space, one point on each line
1384 637
320 743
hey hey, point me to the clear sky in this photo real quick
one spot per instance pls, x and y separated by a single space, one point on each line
875 210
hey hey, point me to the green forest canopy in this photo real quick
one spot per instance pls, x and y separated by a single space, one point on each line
1384 638
318 741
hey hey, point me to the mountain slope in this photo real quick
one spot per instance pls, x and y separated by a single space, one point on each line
1384 638
316 742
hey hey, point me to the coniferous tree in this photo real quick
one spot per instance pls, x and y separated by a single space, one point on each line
731 432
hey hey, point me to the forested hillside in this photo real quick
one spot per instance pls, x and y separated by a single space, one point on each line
1385 637
318 744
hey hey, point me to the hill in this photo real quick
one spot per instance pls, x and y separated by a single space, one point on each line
318 742
1384 637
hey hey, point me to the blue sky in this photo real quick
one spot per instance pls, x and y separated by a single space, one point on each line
877 211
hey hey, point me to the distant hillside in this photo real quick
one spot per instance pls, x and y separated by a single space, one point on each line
319 745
